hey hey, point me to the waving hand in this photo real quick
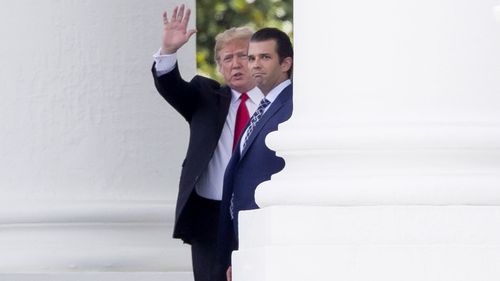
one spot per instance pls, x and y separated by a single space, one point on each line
175 33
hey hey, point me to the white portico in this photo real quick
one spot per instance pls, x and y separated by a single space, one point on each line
393 152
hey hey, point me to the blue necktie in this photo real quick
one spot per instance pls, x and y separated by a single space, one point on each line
255 118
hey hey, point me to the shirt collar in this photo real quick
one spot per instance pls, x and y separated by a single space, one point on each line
254 94
274 93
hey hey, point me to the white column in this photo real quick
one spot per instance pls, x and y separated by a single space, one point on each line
90 153
393 151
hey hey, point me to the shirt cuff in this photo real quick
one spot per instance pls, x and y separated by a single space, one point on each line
164 63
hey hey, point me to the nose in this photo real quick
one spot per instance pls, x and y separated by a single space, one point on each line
236 62
255 63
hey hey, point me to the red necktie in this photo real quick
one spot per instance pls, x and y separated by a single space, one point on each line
242 117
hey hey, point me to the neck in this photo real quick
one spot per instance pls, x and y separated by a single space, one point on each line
244 89
267 90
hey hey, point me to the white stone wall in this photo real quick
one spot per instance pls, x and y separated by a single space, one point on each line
86 140
80 117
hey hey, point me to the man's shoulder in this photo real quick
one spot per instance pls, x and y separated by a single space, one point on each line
198 80
286 95
289 88
206 82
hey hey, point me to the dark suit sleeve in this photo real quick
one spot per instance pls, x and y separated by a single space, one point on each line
184 96
180 94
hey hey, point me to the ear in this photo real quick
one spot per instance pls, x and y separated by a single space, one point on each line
286 64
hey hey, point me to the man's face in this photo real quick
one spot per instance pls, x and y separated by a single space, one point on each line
233 65
264 64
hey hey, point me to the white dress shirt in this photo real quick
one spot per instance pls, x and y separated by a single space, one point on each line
164 63
271 97
211 180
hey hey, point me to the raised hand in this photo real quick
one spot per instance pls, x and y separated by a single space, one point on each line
175 33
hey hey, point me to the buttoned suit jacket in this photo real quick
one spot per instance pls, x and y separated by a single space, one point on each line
204 104
246 170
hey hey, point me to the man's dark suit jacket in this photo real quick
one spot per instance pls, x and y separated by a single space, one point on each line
204 103
245 171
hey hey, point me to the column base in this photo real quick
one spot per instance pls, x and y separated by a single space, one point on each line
369 243
76 237
108 276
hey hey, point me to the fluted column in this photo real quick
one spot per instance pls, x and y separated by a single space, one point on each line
90 153
393 151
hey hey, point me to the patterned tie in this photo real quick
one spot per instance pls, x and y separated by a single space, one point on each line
255 118
253 121
242 117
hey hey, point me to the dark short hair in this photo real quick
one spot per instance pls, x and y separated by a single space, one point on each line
283 44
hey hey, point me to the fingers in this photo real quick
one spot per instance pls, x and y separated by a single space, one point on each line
185 20
191 32
174 13
180 15
165 18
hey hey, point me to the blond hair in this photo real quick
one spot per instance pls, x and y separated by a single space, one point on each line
234 33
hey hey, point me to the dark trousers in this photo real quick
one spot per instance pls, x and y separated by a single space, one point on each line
204 240
204 262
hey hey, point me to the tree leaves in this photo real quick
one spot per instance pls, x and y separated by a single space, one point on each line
215 16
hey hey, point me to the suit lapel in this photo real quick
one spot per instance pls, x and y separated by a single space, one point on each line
273 109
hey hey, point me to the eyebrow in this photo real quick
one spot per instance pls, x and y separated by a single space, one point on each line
259 54
235 53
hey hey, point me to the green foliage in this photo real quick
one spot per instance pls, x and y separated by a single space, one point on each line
215 16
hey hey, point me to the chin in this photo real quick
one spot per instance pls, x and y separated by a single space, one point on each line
237 83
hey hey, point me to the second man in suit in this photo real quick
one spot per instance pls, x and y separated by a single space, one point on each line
270 60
